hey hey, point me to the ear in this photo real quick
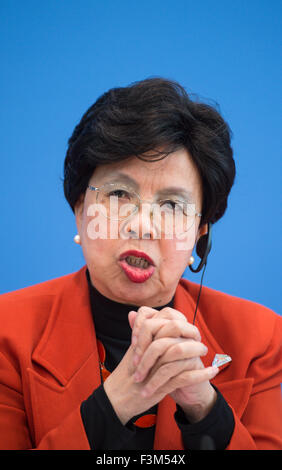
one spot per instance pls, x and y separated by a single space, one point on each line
78 211
203 230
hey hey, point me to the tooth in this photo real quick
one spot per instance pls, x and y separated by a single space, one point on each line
135 261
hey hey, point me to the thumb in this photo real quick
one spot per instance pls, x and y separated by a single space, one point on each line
131 318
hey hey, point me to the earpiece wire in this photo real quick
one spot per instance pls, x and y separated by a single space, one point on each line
198 299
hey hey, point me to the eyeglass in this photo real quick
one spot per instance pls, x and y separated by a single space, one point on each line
120 202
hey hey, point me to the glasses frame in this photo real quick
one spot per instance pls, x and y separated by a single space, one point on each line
96 188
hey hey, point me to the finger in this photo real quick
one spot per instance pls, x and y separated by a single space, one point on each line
154 328
177 328
146 335
192 377
167 350
151 355
171 313
183 379
149 312
160 376
131 318
142 314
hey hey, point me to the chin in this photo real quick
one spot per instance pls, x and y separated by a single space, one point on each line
145 294
136 293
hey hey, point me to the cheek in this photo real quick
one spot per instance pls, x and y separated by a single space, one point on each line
174 259
96 246
98 249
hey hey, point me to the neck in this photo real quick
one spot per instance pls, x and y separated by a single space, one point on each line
111 317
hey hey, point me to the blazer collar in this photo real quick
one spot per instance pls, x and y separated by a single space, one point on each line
69 336
185 301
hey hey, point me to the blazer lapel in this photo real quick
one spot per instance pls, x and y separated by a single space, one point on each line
65 361
185 302
236 392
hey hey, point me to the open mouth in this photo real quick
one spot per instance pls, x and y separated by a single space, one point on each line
137 266
136 261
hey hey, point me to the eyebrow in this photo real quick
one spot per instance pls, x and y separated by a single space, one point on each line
177 191
122 177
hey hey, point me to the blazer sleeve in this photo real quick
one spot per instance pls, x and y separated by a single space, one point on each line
260 426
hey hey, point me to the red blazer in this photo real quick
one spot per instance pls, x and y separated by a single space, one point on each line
49 365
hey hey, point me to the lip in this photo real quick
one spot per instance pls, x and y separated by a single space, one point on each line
137 253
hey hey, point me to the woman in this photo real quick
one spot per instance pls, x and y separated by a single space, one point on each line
120 354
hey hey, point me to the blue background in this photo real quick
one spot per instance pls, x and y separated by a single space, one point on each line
57 57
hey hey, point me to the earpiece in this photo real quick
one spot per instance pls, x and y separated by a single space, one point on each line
203 248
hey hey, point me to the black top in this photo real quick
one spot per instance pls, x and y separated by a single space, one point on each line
104 429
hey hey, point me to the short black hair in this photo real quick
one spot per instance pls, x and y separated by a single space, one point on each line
146 116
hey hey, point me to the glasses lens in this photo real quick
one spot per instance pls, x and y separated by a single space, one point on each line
118 200
171 217
174 217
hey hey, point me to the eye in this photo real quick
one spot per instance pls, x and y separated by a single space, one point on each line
119 193
172 205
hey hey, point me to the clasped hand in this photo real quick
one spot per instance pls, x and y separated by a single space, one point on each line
164 358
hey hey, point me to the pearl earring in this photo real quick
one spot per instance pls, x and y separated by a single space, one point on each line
77 239
191 260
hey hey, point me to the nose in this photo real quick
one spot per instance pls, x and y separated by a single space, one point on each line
141 224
